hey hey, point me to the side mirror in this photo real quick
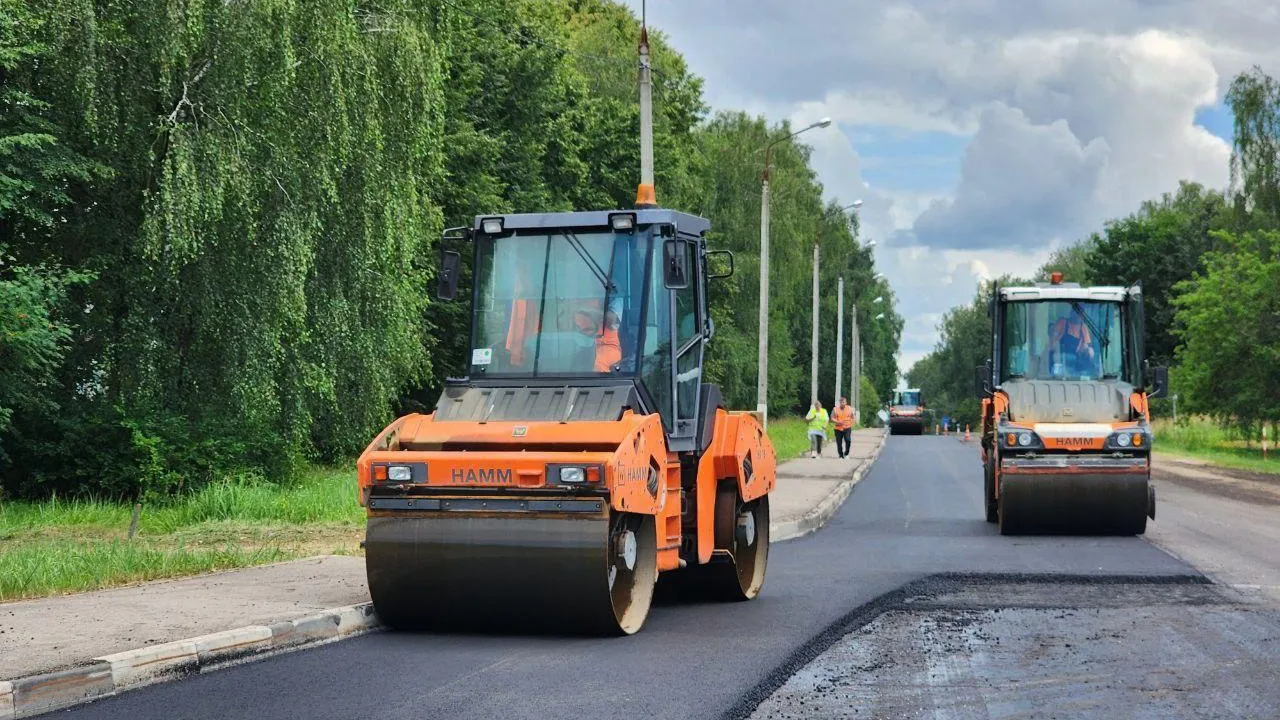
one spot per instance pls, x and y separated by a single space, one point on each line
450 263
675 263
722 261
1159 377
982 381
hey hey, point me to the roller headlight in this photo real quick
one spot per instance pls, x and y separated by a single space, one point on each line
1024 439
1129 439
572 475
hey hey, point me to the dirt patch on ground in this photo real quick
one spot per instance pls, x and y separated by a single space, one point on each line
1253 487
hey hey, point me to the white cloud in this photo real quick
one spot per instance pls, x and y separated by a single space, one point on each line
1020 184
1075 112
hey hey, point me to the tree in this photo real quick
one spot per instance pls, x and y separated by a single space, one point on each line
945 376
1254 98
1072 261
1160 245
1228 318
33 338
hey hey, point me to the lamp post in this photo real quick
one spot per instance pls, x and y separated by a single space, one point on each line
762 365
839 321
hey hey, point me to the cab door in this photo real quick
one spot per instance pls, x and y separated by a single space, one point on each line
688 333
1136 340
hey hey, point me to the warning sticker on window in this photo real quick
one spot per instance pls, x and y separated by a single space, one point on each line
482 356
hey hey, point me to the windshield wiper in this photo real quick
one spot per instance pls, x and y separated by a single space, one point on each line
1102 339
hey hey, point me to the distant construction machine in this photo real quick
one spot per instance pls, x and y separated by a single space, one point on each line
583 454
906 412
1066 426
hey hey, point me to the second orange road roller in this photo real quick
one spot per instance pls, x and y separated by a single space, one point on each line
583 454
1066 423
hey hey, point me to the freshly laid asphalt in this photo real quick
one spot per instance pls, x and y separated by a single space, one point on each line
916 514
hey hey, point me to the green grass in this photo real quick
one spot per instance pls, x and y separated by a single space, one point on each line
59 545
789 436
1201 439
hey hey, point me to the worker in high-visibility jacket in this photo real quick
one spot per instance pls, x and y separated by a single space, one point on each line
842 419
818 421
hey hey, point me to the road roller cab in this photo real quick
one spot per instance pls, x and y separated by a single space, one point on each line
906 412
1066 428
583 453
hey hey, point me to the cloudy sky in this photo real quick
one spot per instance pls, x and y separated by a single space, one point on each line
982 134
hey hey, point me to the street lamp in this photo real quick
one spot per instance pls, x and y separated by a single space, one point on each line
813 369
879 299
880 316
762 377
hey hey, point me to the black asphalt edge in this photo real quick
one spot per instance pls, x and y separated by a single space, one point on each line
866 613
110 675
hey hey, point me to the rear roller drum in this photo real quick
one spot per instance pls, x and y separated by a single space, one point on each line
633 569
742 529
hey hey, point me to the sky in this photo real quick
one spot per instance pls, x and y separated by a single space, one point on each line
982 135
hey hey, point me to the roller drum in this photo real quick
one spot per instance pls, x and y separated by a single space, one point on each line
520 572
1075 503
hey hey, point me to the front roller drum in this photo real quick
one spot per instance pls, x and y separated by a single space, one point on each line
592 573
1075 504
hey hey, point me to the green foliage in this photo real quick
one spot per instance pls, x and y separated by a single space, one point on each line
1160 245
35 168
1072 261
789 436
33 338
871 402
255 190
732 161
1210 272
946 376
1254 98
1229 323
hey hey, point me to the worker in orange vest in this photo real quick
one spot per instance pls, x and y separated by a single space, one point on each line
608 347
842 419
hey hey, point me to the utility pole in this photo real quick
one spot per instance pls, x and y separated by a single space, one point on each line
813 361
855 366
645 195
839 336
762 362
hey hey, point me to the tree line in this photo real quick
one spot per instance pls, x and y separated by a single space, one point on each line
218 221
1209 264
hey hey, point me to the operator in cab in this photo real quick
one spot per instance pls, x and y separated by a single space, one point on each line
608 346
1072 350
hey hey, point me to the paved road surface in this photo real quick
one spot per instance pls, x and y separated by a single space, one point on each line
917 513
1227 527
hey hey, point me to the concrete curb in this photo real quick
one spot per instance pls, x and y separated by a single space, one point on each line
111 674
818 516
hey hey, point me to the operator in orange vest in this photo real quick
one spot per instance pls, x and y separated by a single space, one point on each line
608 345
842 418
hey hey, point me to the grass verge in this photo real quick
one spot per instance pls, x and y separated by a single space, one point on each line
58 546
788 437
1201 439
